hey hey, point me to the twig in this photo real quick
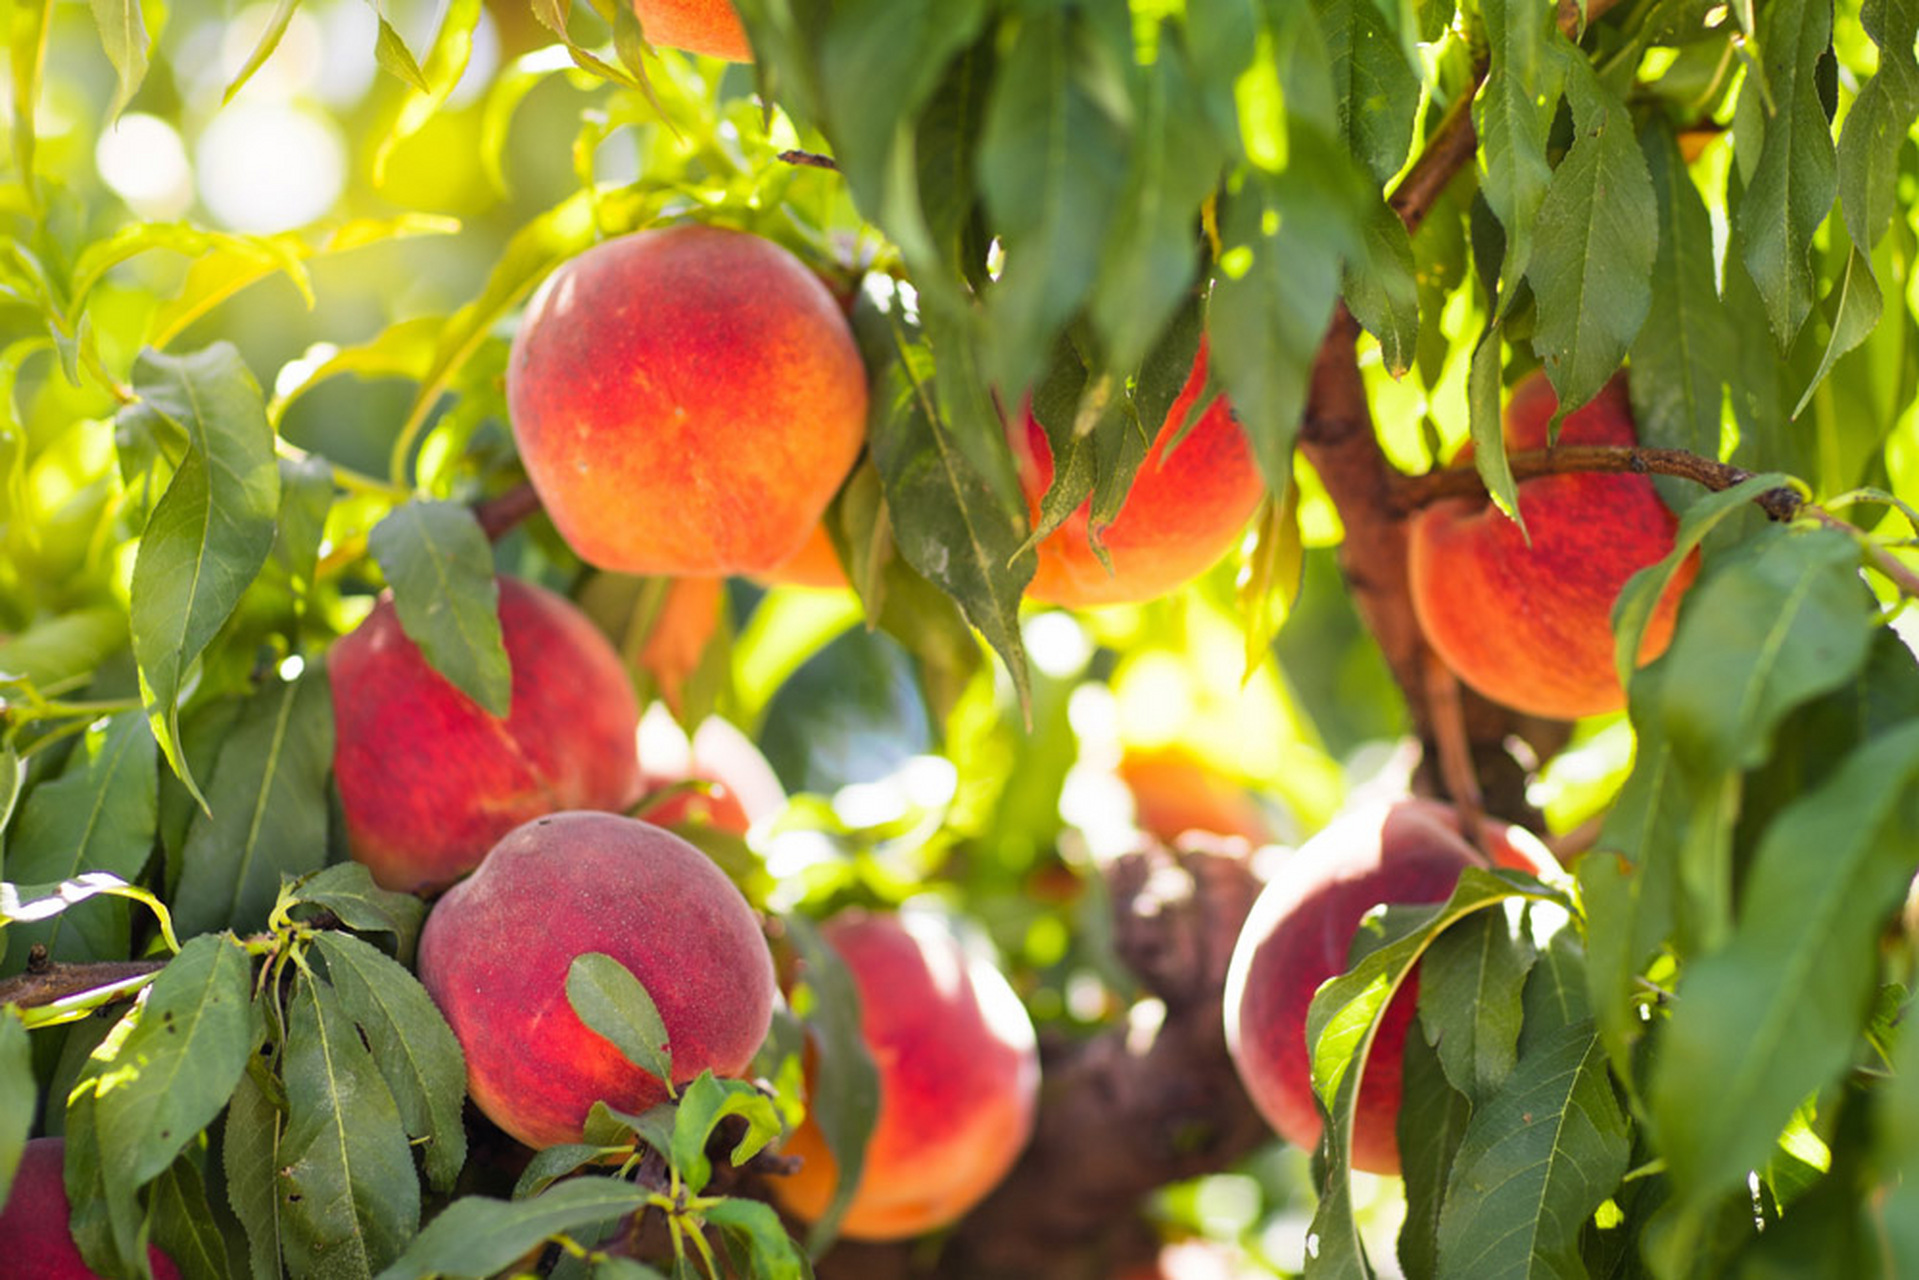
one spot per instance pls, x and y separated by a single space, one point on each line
47 981
1447 718
810 159
499 514
1414 492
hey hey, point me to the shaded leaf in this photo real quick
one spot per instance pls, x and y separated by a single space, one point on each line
349 1201
1878 122
440 566
477 1235
703 1104
1432 1120
1538 1158
250 1157
267 814
347 890
774 1255
1470 986
19 1092
1513 115
183 1224
411 1044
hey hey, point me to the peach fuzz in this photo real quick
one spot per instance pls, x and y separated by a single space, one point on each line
686 401
958 1080
1186 509
429 780
36 1238
1300 933
496 949
1531 626
697 26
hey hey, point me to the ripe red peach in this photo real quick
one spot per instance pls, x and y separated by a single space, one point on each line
1300 933
958 1080
1531 626
36 1238
496 949
1186 509
741 785
698 26
1174 791
429 780
686 401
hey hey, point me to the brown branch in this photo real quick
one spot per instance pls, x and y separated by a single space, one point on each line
47 981
1414 492
499 514
810 159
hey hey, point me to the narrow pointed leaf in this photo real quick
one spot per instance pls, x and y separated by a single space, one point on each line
477 1235
1878 122
615 1004
123 34
18 1092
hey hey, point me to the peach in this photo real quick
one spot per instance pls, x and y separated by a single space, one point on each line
1186 509
686 401
742 786
958 1080
1530 626
1174 791
496 949
1300 933
697 26
429 780
815 564
35 1237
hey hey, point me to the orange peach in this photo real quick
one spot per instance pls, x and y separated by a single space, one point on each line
496 950
815 564
958 1080
429 780
1174 791
1530 626
1300 933
36 1239
698 26
686 401
1186 509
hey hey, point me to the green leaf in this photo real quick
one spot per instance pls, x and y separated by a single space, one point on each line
477 1235
183 1224
445 63
50 653
390 51
1148 264
1684 353
1896 1144
349 1200
948 521
1470 986
155 1088
267 814
250 1157
1855 315
27 44
100 814
1274 291
1772 1016
1379 286
1377 89
549 1164
104 1215
123 34
1051 165
347 890
1431 1122
19 1092
1486 421
845 1098
1591 267
270 36
772 1252
1538 1158
440 566
209 533
1275 571
1779 621
411 1044
1513 115
703 1104
615 1004
1643 590
1555 994
1792 186
1878 122
306 495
